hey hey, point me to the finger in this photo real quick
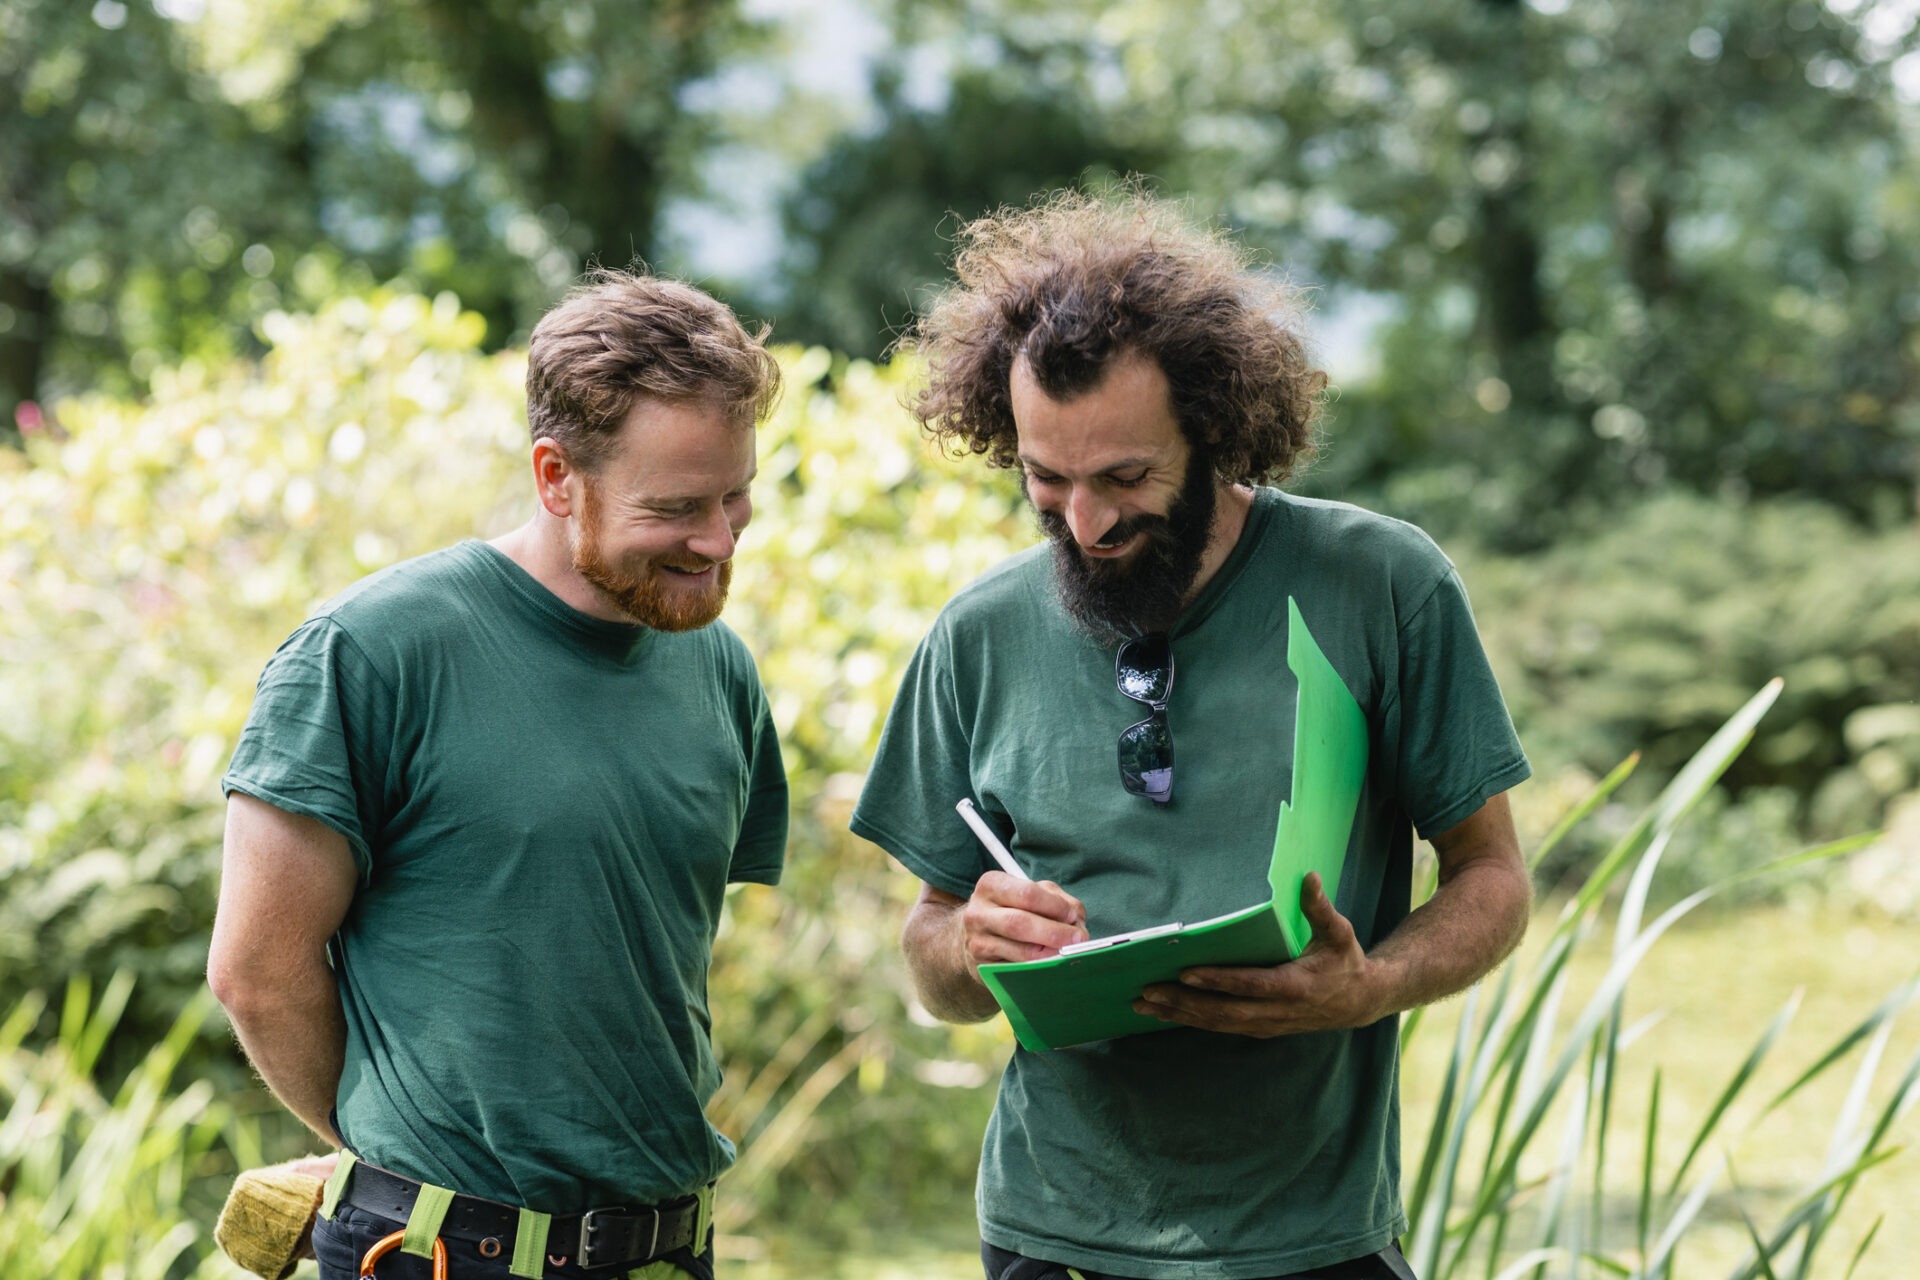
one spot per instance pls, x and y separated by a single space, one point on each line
995 933
1078 908
1236 980
1038 897
1330 928
1209 1012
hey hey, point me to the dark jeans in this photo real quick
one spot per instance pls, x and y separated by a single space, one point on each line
1388 1264
342 1242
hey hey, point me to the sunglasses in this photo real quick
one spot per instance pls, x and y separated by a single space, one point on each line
1143 669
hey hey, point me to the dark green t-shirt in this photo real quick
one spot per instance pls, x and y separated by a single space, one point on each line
546 809
1182 1152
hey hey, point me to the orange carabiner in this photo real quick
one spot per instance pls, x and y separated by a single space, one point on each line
392 1242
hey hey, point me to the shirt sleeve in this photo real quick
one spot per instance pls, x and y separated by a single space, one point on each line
920 770
1451 744
314 742
759 855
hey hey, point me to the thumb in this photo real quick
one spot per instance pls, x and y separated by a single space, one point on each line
1330 928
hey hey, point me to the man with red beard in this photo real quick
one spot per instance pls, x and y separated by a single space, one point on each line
482 820
1149 384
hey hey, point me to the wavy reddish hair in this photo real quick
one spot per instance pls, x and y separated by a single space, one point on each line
621 336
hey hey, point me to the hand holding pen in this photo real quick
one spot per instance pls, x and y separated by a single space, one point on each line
1020 920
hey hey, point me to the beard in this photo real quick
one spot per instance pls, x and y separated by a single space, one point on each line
1111 600
648 596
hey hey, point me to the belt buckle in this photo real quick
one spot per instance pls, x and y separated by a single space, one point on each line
589 1225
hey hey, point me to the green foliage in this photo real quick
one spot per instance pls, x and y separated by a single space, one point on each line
1646 635
152 559
1488 1195
869 224
176 172
1604 258
93 1184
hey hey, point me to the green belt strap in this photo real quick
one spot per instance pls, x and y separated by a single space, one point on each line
337 1184
423 1224
703 1224
530 1244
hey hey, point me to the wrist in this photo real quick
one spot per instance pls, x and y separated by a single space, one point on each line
1380 990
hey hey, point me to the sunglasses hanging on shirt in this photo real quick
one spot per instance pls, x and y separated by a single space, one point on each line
1143 669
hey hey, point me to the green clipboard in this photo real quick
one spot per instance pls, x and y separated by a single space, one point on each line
1087 993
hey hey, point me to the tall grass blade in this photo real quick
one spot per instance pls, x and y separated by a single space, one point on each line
1643 1212
1846 1143
24 1016
1742 1076
1866 1242
1693 781
1809 1206
1582 811
1759 1249
1658 1265
1528 1263
1557 1225
1899 999
1598 1008
1440 1137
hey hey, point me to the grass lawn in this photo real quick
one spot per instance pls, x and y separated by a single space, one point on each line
1713 984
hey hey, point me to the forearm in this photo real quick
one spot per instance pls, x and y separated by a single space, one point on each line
934 943
1473 921
295 1035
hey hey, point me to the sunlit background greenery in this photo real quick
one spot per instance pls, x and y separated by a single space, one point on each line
1620 300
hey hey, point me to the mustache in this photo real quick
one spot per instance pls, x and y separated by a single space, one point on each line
1054 525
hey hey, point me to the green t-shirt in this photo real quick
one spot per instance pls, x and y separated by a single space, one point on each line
1182 1152
546 809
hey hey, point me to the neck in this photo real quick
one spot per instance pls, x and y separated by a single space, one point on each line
540 546
1232 502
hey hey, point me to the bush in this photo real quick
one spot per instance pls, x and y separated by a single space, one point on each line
1649 635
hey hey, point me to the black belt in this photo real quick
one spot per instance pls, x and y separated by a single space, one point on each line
617 1235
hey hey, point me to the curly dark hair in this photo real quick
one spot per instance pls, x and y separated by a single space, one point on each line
621 335
1079 280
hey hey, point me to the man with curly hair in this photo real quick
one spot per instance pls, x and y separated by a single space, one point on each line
1151 385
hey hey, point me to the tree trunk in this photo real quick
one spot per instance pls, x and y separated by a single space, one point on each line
23 344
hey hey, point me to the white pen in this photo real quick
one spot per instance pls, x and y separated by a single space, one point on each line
989 839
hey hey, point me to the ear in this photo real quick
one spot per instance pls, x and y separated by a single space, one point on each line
555 478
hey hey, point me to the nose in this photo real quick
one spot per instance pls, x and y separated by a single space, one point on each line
717 536
1089 515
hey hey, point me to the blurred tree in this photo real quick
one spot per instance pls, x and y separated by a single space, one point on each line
867 225
176 168
1617 259
132 194
1619 244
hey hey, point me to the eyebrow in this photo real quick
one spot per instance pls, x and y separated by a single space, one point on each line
1027 460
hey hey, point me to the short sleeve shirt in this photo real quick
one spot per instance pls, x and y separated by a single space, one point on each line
1183 1152
545 809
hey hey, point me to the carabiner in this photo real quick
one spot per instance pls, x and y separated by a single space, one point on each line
392 1242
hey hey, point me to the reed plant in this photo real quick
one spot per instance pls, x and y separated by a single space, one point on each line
98 1184
1512 1178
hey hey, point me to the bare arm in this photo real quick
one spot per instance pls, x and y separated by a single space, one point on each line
1473 922
947 939
286 882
